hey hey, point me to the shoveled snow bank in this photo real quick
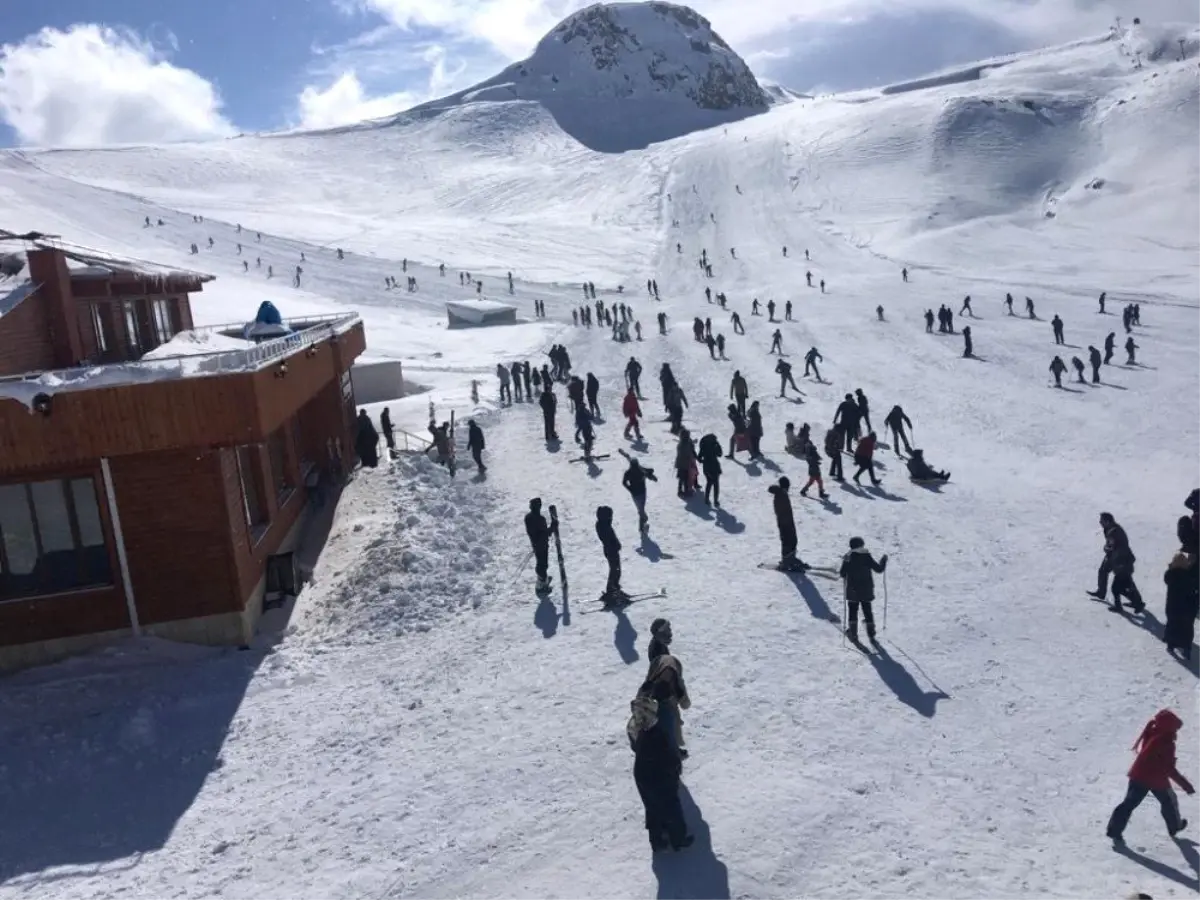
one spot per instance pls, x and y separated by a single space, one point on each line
409 547
197 343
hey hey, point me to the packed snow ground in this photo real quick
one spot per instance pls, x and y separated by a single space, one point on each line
426 727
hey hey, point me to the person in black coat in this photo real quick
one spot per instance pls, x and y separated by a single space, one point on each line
1118 560
754 430
857 568
849 417
657 765
612 553
593 393
1183 593
366 440
784 519
813 457
634 481
895 422
709 456
475 444
385 425
539 537
549 404
739 427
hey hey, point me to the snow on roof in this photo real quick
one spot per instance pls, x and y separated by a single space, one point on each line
197 343
478 306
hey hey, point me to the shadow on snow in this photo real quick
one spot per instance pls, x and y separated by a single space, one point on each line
695 873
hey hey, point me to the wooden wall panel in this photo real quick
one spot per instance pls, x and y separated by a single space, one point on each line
25 344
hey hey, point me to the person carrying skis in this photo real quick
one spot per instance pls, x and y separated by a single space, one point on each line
632 410
811 358
539 538
366 440
782 503
385 425
1152 772
1057 368
857 571
549 404
864 458
709 457
739 391
1119 560
475 445
919 470
784 371
612 554
895 422
813 457
634 480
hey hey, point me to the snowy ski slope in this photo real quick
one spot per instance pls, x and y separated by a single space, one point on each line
425 727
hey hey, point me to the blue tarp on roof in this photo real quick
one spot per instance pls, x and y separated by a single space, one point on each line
268 314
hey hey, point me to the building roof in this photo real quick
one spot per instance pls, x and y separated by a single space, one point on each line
86 262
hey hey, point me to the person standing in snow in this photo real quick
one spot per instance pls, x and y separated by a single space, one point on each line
739 391
612 554
1078 364
475 445
1119 561
834 438
709 457
784 371
813 457
776 342
656 769
856 572
634 480
1110 347
1130 351
811 358
785 521
1057 368
787 311
515 370
1183 592
632 411
1056 324
685 462
966 307
385 425
1095 360
968 347
1152 772
549 404
593 392
848 416
895 422
366 441
505 390
754 431
739 435
1029 308
864 458
864 408
539 538
633 375
1103 297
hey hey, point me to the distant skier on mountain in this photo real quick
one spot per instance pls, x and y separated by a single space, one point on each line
1057 325
738 328
904 275
1110 347
612 555
1008 302
784 370
1095 360
786 523
1103 297
771 311
593 394
539 538
1029 308
856 572
929 321
776 342
633 375
966 307
1131 352
968 347
634 480
864 408
662 323
754 304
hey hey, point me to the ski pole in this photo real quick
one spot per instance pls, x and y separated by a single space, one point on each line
528 557
845 613
885 592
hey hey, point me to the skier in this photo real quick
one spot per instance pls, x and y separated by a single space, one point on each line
787 311
754 304
864 408
864 458
366 441
539 537
968 347
721 346
919 470
808 278
857 571
822 285
1119 561
593 392
784 371
738 328
1008 302
1110 347
834 438
739 391
662 323
1152 772
966 307
1130 350
1057 324
1029 308
1103 297
929 321
813 457
879 312
789 561
1094 359
811 358
895 422
709 457
1078 364
632 410
771 311
385 425
633 374
475 445
1057 367
634 481
585 434
505 389
904 275
612 554
549 404
849 417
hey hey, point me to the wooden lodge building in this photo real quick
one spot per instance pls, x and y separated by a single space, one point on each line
145 494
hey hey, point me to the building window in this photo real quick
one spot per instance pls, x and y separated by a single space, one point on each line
98 327
257 515
132 335
163 330
51 538
281 470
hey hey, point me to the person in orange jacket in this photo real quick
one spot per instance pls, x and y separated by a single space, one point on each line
632 411
1152 772
864 458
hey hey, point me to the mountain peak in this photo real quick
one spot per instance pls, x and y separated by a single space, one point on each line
619 76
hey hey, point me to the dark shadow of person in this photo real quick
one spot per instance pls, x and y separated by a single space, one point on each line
694 873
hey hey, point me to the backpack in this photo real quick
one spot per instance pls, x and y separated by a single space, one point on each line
643 715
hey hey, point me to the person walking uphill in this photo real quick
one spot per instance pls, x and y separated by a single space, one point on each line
1152 772
612 554
539 537
788 560
856 571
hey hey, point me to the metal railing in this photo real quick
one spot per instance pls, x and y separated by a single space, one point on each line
306 332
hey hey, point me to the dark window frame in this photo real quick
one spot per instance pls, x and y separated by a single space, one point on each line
254 500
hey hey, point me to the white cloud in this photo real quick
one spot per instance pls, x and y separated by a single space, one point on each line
344 102
92 85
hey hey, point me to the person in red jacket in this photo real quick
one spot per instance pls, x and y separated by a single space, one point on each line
1152 773
864 458
632 412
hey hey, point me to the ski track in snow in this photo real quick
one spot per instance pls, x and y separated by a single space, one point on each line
427 727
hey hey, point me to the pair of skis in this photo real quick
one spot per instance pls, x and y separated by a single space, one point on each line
625 600
819 571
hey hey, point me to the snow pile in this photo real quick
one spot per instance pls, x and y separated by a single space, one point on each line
617 76
409 548
197 343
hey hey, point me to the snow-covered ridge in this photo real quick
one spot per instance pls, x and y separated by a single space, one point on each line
590 68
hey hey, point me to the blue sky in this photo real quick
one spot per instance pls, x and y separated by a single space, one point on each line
98 72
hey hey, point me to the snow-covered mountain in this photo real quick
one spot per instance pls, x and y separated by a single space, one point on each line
622 75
